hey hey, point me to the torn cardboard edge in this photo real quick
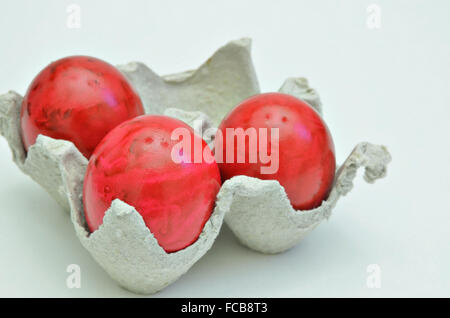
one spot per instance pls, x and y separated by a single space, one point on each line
263 219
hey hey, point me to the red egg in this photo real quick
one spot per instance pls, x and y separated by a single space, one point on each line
79 99
141 163
301 157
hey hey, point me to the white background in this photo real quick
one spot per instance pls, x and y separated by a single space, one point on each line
387 86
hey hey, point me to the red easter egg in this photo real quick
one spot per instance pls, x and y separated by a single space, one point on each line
79 99
140 162
301 157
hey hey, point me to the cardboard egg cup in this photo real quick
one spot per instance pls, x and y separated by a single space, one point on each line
257 211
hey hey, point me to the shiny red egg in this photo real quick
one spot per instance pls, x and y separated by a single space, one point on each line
142 163
281 138
79 99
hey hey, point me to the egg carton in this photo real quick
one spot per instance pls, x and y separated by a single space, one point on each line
257 211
